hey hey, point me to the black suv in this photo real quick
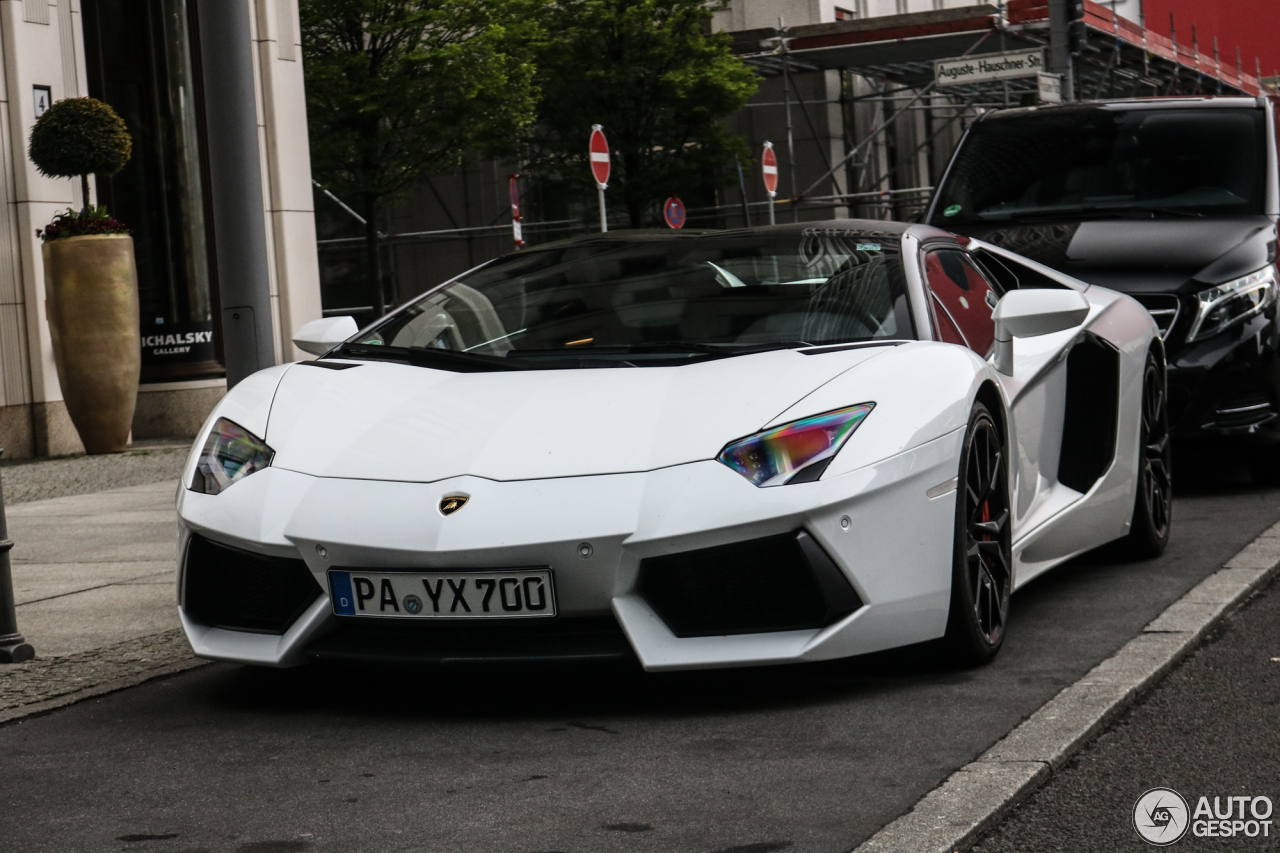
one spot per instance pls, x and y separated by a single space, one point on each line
1171 200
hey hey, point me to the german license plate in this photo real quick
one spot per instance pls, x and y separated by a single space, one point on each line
443 595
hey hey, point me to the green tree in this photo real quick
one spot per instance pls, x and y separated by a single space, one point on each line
78 137
654 76
397 89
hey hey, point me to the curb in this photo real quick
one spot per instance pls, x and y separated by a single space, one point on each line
46 684
36 709
956 814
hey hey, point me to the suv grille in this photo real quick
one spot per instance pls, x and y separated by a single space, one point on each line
1163 308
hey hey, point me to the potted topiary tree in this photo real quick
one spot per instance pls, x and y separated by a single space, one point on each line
90 280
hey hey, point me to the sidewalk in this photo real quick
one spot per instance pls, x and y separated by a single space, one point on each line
94 577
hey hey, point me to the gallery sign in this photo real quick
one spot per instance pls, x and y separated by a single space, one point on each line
993 66
177 343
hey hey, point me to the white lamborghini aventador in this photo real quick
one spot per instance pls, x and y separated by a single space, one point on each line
695 449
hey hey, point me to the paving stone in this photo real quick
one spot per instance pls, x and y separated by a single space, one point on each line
47 682
38 479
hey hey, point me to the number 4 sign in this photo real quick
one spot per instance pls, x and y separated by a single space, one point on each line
43 99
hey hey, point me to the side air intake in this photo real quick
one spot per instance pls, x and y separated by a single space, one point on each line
229 588
778 583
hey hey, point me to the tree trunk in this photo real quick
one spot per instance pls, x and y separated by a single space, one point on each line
84 190
373 254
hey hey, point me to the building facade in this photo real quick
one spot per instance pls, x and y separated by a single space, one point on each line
143 57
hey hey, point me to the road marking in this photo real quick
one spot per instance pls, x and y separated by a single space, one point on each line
955 815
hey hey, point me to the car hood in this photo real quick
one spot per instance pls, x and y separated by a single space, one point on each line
1144 256
388 421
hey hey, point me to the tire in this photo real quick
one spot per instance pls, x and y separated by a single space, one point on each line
1153 505
982 564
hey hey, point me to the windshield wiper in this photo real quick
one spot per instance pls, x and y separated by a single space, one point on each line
1170 211
715 349
1092 212
459 362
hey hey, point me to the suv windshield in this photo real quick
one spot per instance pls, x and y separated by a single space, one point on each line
1106 161
680 297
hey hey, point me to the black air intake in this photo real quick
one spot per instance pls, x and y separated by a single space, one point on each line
779 583
228 588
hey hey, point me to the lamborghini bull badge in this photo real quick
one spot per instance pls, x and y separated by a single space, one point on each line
452 503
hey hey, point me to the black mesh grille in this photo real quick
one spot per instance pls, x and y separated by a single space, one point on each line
229 588
779 583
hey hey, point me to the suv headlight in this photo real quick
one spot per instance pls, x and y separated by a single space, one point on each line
797 452
230 454
1228 304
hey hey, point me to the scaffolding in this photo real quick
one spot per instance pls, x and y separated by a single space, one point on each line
896 54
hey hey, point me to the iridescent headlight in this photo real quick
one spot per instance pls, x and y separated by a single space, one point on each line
797 452
230 454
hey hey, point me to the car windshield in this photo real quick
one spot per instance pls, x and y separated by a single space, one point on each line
688 296
1097 161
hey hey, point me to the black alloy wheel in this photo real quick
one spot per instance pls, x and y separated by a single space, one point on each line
1153 505
982 571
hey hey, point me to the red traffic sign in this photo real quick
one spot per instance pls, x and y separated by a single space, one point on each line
769 165
515 197
599 149
673 212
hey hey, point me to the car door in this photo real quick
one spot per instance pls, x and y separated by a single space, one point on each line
962 298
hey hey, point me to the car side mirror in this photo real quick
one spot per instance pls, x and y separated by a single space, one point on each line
320 336
1031 313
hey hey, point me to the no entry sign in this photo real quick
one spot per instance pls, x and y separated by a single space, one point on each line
673 212
599 149
769 165
517 234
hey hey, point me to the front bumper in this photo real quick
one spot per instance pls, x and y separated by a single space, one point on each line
1228 387
891 543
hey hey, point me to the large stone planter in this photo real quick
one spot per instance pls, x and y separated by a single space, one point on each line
91 301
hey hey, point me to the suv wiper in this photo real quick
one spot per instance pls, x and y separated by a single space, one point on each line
1093 212
1169 211
459 362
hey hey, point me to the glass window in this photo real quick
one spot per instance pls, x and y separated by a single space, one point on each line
139 61
961 301
1090 161
607 298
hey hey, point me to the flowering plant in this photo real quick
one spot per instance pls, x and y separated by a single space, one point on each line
71 223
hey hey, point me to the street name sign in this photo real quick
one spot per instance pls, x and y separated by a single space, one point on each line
993 66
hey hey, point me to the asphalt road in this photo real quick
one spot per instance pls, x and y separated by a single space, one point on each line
1208 730
748 761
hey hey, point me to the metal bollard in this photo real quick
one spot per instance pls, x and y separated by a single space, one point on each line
13 648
